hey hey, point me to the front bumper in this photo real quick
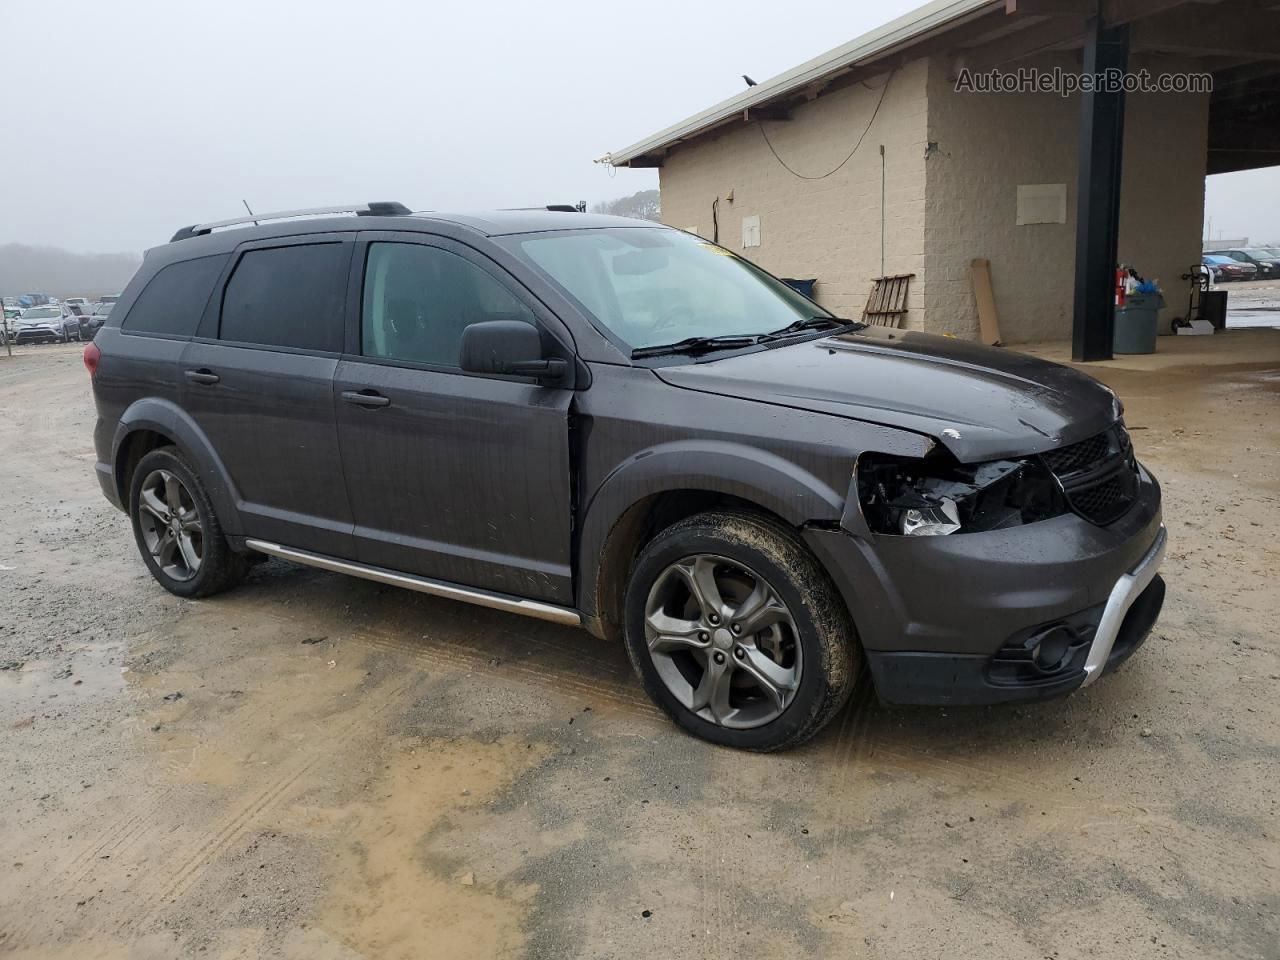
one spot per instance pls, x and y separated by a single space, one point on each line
957 619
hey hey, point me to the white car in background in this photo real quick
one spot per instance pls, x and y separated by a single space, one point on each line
47 324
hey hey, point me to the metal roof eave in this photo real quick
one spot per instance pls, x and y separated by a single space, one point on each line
912 27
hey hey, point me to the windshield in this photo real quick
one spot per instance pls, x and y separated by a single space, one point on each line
41 313
651 286
103 308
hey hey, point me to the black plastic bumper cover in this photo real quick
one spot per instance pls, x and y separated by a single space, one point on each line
965 680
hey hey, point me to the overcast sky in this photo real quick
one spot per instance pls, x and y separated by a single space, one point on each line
145 116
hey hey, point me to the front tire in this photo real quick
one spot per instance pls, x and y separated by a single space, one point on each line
176 529
738 633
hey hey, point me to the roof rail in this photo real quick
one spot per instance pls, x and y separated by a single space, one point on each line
579 207
377 208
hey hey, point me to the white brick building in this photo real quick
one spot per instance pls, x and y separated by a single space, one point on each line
947 187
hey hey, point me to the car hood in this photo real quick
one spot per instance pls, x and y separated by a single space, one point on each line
982 403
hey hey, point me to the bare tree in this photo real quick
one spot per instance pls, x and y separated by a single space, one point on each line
644 205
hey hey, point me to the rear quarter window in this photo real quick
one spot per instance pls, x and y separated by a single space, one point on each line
173 300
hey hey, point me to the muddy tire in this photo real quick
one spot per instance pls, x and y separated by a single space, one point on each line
176 529
738 633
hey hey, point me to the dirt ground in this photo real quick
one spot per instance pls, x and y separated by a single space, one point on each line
320 767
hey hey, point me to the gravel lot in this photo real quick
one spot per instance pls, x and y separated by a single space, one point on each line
319 767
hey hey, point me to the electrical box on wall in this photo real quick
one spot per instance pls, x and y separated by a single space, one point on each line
750 232
1042 203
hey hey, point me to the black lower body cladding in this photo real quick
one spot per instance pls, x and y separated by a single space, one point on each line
1002 616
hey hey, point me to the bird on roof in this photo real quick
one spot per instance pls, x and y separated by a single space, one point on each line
750 82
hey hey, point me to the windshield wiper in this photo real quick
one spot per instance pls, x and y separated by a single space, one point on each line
697 345
810 323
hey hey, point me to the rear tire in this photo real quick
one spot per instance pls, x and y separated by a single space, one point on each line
176 529
737 632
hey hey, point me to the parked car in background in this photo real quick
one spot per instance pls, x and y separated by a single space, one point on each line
1267 256
1224 269
601 421
1266 268
84 324
48 324
101 311
11 315
77 301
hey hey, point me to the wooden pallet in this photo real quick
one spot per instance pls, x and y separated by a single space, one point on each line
887 301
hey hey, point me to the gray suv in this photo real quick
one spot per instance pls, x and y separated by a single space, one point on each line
605 422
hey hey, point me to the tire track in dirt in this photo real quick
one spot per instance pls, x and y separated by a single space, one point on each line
244 816
554 672
181 869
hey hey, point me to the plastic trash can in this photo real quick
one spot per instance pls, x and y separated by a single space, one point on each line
1137 324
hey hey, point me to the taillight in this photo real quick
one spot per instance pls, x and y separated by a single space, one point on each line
91 357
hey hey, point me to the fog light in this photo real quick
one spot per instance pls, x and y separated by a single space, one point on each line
935 521
1052 649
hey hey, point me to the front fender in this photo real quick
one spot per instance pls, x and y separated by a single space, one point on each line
167 418
748 473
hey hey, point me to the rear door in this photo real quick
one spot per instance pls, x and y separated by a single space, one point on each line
259 382
451 475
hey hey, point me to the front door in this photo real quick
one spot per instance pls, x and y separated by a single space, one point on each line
450 475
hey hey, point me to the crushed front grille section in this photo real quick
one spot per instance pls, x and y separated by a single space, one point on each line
1099 476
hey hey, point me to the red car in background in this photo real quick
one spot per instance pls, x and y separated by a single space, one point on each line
1224 268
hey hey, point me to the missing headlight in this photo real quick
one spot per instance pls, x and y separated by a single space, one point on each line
936 496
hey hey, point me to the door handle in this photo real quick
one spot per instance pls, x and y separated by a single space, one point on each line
203 376
366 398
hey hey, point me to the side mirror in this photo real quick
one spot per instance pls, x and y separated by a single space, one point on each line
507 347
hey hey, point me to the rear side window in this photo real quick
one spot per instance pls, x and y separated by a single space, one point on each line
171 304
288 297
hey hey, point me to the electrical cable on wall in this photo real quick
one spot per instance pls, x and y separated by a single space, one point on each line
874 113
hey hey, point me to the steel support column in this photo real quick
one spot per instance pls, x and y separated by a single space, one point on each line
1098 194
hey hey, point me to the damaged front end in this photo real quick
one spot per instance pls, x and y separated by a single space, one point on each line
938 496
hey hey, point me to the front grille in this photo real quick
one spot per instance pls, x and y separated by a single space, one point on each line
1099 476
1104 502
1083 454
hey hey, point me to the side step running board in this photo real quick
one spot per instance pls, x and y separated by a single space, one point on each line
437 588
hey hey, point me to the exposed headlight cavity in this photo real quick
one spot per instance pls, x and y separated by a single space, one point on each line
937 496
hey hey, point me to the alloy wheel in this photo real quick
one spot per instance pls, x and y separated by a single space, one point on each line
723 641
172 527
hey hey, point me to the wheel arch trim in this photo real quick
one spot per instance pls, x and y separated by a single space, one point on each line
759 477
168 419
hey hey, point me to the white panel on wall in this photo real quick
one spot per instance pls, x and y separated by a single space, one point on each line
750 232
1042 203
